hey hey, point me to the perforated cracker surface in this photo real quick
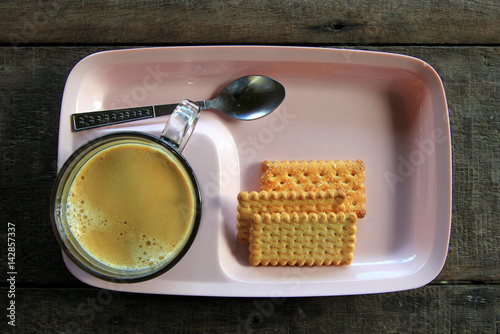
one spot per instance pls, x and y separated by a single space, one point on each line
302 239
347 176
284 201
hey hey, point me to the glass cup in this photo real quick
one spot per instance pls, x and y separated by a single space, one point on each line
126 206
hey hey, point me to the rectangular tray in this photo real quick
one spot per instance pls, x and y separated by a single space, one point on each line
388 110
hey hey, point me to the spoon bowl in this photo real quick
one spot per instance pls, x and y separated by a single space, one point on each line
247 98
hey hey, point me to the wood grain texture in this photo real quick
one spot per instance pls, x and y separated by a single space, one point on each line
41 41
432 309
31 85
359 22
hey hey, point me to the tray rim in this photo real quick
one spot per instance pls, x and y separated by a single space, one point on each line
416 63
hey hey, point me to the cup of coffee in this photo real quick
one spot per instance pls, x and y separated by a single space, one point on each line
126 206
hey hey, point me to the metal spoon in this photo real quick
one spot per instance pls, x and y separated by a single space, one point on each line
247 98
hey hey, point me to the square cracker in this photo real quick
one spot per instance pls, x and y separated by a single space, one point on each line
284 201
347 176
302 239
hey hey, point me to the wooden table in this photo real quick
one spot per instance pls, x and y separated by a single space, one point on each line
42 41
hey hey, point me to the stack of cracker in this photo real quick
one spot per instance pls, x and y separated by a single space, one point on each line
304 214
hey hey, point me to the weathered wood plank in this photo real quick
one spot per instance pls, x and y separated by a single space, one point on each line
432 309
359 22
31 86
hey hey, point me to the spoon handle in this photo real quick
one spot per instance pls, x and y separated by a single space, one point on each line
95 119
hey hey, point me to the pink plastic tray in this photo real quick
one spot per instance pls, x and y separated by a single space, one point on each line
388 110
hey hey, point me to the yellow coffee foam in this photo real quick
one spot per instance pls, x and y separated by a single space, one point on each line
347 176
302 239
130 207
